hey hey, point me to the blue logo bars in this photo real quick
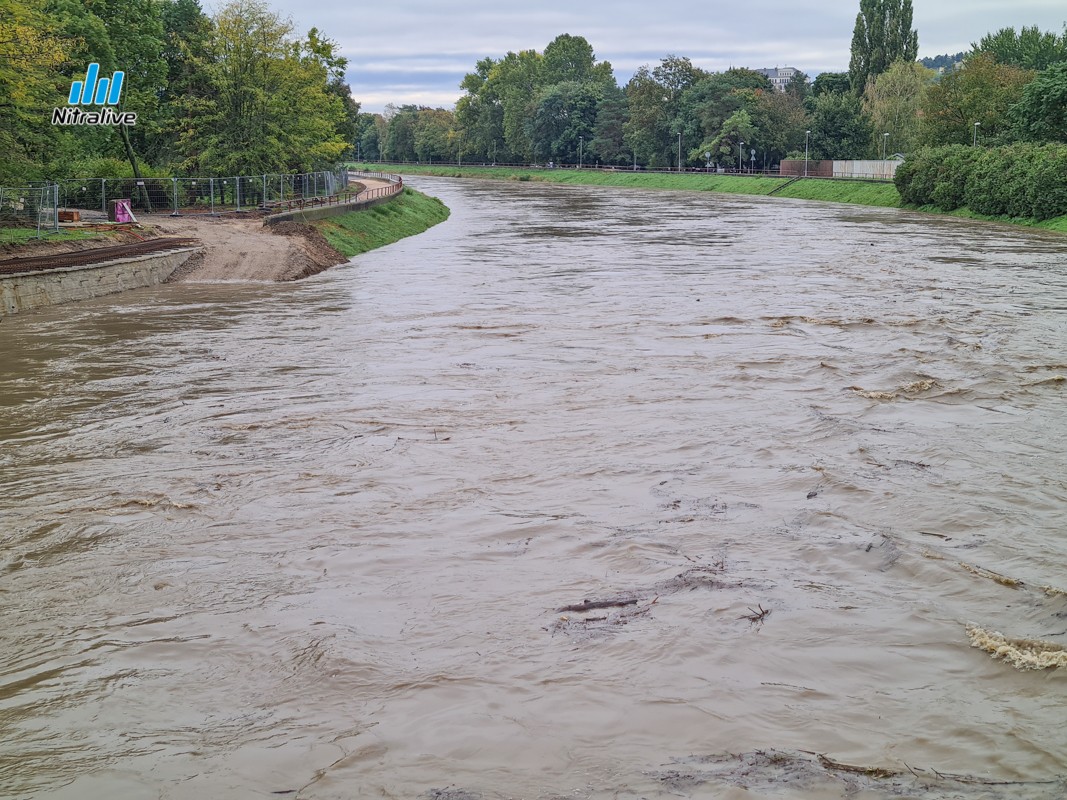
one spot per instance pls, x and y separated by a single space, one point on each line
104 91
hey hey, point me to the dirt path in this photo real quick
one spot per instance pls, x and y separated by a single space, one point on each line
239 247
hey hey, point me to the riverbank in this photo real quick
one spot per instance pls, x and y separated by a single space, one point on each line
409 214
242 248
854 192
871 193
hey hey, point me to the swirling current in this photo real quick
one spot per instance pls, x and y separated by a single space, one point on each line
583 493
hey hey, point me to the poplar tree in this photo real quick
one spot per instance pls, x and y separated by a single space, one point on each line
883 35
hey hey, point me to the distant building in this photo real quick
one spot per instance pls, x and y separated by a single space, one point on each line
779 76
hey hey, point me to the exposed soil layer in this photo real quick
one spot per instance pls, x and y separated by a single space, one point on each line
238 248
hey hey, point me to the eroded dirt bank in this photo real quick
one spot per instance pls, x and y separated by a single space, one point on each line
240 248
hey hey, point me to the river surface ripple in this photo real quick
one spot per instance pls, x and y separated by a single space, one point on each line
314 539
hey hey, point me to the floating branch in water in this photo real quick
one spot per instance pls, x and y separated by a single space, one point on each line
757 616
592 605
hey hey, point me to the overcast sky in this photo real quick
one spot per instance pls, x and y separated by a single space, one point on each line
417 51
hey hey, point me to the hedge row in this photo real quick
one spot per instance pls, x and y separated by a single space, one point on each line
1021 180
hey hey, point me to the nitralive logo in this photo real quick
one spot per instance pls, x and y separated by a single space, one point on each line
94 91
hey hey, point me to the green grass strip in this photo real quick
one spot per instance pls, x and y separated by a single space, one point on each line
359 231
858 192
1057 224
23 235
864 193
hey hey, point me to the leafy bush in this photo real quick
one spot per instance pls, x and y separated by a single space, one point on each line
950 183
1020 180
916 177
1046 192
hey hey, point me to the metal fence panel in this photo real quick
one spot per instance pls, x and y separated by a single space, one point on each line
33 205
211 195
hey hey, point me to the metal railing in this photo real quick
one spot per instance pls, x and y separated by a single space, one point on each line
396 184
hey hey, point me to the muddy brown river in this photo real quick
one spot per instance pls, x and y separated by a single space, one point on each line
581 494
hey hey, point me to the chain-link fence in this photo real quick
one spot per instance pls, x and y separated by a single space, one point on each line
31 206
198 195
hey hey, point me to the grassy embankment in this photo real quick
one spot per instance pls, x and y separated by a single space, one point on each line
867 193
862 192
359 231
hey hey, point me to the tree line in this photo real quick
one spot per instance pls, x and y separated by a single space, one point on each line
240 91
237 92
564 105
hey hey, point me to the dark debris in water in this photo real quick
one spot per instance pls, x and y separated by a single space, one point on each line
780 772
450 793
624 608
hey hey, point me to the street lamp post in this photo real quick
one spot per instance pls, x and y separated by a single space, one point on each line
885 140
806 135
679 151
974 142
581 145
740 153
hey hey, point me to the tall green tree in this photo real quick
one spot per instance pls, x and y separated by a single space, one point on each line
830 83
434 140
1041 113
563 118
571 58
780 119
399 143
31 49
654 97
609 143
516 81
799 86
893 102
1029 48
981 91
370 137
839 128
882 35
186 33
265 105
724 148
480 112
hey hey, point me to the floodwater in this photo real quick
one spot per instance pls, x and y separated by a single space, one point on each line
314 540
